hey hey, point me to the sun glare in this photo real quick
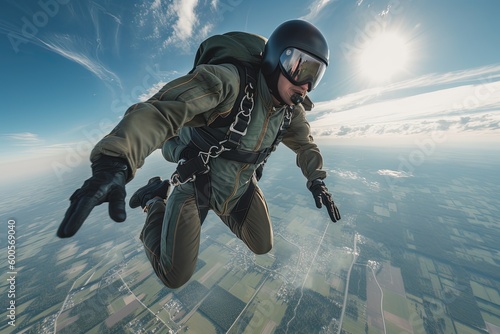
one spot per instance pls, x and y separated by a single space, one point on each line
383 57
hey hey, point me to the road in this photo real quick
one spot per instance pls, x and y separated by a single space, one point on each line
307 275
381 299
355 256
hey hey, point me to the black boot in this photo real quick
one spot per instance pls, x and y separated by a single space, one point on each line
155 188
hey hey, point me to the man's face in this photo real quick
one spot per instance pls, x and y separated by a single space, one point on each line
286 89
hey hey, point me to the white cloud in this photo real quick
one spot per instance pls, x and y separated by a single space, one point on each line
481 76
82 46
183 12
34 156
156 4
205 30
351 175
456 102
164 77
315 9
394 173
179 23
24 139
151 91
74 49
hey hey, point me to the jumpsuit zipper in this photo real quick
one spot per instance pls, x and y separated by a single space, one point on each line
244 167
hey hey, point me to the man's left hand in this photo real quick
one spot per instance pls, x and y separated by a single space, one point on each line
323 197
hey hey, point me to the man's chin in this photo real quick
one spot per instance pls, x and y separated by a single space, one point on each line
288 100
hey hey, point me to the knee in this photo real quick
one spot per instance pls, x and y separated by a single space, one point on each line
173 278
172 282
262 248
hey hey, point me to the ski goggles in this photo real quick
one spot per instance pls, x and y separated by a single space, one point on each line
300 68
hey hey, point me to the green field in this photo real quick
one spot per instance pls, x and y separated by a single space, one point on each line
396 304
485 292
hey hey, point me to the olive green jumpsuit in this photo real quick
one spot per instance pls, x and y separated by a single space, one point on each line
171 234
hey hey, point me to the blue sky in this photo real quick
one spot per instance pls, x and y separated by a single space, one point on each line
71 68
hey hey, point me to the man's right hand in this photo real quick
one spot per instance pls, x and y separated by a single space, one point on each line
107 184
323 197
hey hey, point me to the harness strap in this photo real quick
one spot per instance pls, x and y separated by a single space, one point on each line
196 168
241 209
203 141
203 189
188 170
247 157
283 128
238 127
208 147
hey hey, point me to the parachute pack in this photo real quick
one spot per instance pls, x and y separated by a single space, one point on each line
243 50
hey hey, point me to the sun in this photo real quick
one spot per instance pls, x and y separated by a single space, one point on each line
383 57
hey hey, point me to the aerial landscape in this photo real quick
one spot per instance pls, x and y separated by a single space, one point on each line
415 254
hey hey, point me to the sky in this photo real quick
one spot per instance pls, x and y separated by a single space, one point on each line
398 68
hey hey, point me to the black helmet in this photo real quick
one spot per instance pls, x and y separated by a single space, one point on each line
291 36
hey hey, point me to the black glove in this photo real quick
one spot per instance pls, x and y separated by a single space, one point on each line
107 184
321 195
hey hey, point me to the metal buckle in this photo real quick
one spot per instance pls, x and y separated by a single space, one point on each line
232 129
175 179
287 119
213 152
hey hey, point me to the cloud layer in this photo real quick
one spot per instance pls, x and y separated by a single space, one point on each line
180 24
155 25
459 102
23 139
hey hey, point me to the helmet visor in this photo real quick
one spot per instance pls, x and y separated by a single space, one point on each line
300 68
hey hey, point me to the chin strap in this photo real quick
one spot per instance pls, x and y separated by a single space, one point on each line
272 83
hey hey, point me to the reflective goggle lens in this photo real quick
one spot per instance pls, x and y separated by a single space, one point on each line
300 68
